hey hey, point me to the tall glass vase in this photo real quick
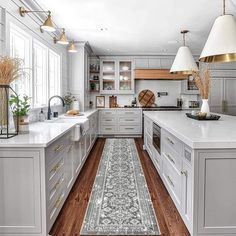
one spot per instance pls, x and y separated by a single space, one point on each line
7 127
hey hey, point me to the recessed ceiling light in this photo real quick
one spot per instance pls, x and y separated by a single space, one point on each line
173 42
104 29
108 49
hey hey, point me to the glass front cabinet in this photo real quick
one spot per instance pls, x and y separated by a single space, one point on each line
117 77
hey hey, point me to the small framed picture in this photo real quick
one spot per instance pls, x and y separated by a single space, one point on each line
100 101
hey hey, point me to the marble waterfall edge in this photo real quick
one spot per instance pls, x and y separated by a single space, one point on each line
120 202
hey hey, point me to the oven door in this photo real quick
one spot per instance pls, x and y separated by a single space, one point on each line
156 138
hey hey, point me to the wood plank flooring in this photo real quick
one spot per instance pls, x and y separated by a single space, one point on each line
72 214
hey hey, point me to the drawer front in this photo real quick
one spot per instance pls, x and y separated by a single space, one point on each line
108 129
55 189
105 113
129 120
108 120
148 144
157 160
56 149
172 156
129 129
148 126
172 141
173 181
55 207
54 169
129 112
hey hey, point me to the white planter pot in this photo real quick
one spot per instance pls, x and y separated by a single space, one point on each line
205 107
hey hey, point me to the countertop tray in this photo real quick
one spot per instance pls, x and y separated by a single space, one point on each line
211 117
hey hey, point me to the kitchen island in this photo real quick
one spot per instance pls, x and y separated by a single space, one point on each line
38 170
197 163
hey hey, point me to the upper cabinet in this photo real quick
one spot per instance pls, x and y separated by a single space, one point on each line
117 76
153 63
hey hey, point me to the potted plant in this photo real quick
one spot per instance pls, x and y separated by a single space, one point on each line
69 98
20 108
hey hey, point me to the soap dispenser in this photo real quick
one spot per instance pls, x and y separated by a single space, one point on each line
41 116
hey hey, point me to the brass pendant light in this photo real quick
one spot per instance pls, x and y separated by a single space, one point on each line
221 42
72 47
63 39
48 24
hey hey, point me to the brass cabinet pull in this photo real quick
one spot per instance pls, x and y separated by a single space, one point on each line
129 120
58 148
170 180
58 166
184 173
129 128
108 120
170 141
170 158
71 147
57 204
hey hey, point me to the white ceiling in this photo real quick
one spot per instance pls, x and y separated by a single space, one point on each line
137 27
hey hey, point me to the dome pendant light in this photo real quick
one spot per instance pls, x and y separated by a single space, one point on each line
221 42
63 40
72 47
184 62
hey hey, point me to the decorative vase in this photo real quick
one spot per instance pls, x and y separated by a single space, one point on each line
22 124
205 107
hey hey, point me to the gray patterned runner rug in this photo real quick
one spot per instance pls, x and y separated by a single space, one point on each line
120 203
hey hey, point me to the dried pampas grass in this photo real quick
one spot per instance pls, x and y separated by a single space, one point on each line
203 82
10 70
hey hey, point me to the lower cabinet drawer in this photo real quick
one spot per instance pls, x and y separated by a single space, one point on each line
148 144
173 181
108 120
129 120
129 129
172 156
106 129
130 112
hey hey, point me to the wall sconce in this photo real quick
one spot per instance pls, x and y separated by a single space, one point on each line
63 39
72 47
47 25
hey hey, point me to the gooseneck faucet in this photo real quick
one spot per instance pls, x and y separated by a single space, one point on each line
49 106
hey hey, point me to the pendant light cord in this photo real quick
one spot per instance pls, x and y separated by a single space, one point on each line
184 40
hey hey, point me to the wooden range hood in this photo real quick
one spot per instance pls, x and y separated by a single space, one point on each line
157 74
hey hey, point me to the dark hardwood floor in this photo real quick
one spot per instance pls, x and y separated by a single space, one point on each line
72 214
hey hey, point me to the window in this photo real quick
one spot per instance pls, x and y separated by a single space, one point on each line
40 74
42 65
54 74
20 47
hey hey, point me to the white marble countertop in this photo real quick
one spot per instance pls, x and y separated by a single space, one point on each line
43 134
197 134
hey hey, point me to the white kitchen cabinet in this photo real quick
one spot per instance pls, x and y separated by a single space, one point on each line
120 122
116 76
187 200
70 165
153 62
21 198
217 93
79 74
141 63
37 182
222 96
230 91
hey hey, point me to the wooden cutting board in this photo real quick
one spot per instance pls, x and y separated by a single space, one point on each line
146 98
